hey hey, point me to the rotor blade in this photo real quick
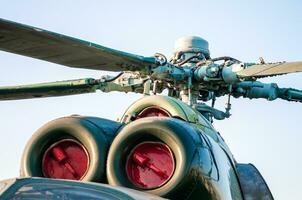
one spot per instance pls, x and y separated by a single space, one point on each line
270 69
56 48
51 89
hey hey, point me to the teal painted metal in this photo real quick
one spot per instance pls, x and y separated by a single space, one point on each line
59 88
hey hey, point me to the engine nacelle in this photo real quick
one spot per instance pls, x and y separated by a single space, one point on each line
72 147
164 156
163 106
163 146
169 149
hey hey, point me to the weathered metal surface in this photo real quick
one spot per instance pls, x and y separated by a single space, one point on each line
57 48
270 69
71 87
59 88
189 44
269 91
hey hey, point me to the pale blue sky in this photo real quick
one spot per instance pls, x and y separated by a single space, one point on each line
264 133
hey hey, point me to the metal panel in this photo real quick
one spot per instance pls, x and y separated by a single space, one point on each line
252 183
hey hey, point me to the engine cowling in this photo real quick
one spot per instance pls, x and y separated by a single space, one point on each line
169 149
73 147
164 156
163 106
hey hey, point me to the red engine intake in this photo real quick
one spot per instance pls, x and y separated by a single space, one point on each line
72 147
66 159
150 165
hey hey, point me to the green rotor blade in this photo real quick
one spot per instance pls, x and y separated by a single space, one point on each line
51 89
56 48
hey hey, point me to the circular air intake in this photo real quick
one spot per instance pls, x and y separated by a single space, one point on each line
72 147
65 159
150 165
152 154
163 106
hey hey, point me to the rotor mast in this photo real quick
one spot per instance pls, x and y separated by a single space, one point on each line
188 51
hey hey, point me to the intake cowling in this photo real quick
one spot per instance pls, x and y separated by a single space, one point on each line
164 156
163 106
169 149
73 147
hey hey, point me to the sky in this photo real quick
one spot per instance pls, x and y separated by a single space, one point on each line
264 133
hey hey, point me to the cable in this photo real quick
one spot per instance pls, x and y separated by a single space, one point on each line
225 58
160 58
199 55
114 78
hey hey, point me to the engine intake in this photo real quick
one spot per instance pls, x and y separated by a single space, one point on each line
72 147
164 156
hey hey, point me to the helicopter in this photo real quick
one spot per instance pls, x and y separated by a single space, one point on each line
191 78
